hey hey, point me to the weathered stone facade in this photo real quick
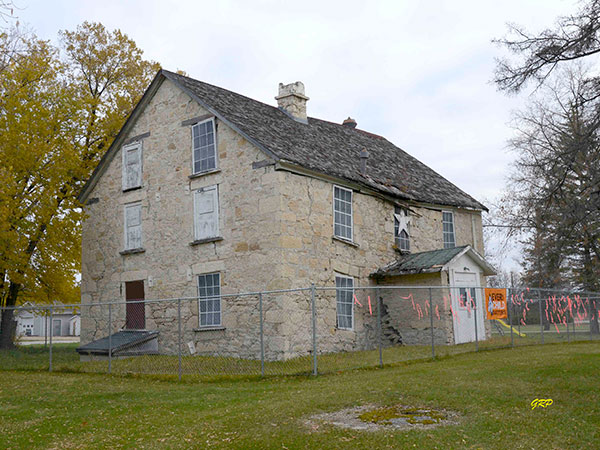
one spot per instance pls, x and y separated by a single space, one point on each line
277 233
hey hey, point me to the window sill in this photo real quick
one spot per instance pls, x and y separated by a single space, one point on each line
201 174
132 189
132 251
203 329
343 329
345 241
204 241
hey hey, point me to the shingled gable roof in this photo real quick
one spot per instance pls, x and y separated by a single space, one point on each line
329 148
431 262
323 147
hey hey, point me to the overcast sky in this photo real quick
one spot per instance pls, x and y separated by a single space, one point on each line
417 73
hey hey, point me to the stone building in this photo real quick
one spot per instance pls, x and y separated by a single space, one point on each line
206 192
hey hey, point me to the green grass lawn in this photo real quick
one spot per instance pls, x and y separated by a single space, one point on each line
207 368
491 390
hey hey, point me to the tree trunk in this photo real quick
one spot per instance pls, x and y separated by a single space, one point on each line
9 325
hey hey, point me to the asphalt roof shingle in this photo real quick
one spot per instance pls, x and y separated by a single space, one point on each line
330 148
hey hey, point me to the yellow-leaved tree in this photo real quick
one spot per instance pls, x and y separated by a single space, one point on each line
58 114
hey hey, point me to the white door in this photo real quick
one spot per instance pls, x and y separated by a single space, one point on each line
466 302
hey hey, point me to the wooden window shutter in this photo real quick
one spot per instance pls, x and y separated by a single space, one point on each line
206 213
132 166
133 226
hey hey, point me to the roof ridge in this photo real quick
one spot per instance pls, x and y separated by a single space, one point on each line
271 106
222 89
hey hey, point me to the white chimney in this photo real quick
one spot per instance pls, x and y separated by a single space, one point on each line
291 100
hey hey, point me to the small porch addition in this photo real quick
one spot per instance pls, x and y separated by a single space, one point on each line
457 278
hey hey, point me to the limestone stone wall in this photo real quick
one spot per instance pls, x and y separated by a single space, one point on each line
277 230
310 253
408 309
248 258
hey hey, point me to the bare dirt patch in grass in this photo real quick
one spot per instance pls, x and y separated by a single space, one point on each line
378 418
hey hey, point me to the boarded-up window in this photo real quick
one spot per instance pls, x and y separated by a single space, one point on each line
133 226
206 213
204 146
132 166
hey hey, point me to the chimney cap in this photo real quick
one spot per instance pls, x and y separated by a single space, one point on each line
292 101
286 90
349 122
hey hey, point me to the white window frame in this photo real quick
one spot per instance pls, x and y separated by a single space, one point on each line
337 312
351 239
214 125
206 298
453 229
125 228
397 233
217 208
124 151
470 295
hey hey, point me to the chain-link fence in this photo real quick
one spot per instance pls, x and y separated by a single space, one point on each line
299 331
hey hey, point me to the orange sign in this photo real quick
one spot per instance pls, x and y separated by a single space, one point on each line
495 303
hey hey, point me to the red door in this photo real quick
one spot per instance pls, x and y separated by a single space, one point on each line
135 312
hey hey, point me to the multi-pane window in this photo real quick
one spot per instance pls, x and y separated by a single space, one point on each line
209 299
206 213
401 222
342 213
344 302
133 226
204 148
132 166
468 298
448 229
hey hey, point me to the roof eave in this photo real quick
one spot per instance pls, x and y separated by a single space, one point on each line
488 270
399 273
299 169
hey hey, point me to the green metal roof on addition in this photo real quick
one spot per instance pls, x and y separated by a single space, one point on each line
429 262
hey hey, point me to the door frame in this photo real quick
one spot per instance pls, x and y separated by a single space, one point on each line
455 295
135 309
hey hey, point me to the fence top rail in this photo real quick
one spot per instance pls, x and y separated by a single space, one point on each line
70 308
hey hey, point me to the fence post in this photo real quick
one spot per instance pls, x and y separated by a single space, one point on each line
474 303
519 319
508 310
541 317
51 332
110 337
179 368
262 342
567 320
379 303
431 324
590 319
314 328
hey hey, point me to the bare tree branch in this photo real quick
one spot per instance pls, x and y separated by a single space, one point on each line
538 55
